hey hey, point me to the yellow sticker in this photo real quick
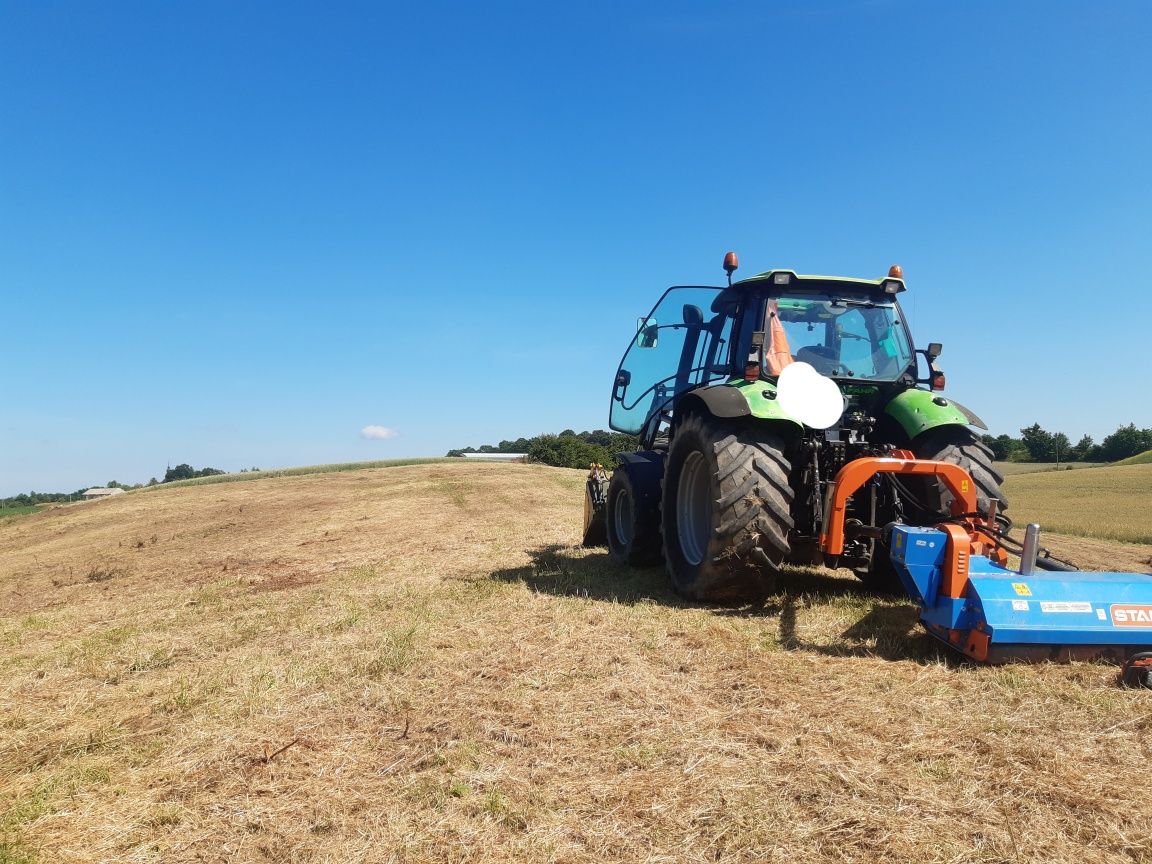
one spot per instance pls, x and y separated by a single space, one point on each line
1022 589
899 540
963 485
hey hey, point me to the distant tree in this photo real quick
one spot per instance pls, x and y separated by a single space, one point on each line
1040 445
183 471
153 481
1003 447
1124 442
1081 450
568 449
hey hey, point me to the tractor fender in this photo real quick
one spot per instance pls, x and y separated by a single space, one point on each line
917 411
646 471
739 398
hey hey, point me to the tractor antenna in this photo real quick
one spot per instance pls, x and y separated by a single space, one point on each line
731 262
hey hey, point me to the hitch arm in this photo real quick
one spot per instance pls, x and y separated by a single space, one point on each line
859 471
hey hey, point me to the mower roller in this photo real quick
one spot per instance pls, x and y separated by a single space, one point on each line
788 418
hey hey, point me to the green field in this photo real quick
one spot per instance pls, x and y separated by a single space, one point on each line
1010 468
18 510
1112 502
1144 458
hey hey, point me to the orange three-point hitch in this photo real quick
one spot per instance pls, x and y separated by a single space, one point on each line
857 472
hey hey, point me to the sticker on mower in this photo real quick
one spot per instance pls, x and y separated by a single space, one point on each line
1131 615
1022 589
1019 605
1066 606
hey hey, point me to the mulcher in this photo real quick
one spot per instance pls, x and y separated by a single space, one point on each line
789 418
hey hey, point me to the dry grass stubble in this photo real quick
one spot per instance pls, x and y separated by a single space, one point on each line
417 664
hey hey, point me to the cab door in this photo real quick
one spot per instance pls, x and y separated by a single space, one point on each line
680 344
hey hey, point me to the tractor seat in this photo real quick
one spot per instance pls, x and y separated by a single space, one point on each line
819 357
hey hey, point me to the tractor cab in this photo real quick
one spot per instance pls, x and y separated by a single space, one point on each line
851 331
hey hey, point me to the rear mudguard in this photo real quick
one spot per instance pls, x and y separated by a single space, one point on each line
645 469
740 398
917 411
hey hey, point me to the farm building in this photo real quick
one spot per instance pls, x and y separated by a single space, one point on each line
101 492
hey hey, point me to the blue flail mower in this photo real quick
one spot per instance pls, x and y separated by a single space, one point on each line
1005 615
957 572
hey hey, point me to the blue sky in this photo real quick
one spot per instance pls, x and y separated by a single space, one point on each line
236 234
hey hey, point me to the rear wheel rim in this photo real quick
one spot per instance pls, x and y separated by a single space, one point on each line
694 508
622 517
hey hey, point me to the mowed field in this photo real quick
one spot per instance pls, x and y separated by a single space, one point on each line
418 664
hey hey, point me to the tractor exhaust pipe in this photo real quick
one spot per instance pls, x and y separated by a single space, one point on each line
1031 559
1031 549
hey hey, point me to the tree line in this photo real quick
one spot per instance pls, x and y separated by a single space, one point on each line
180 472
1036 444
569 449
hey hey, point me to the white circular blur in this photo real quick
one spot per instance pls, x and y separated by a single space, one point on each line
808 396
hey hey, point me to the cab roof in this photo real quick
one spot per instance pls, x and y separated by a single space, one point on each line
879 286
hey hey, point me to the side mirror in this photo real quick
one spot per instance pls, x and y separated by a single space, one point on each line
935 379
647 333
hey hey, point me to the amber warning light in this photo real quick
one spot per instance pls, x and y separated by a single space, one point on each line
731 262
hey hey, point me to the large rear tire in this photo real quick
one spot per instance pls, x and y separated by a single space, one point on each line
726 511
633 524
960 446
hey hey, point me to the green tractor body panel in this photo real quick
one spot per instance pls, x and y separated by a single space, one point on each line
760 405
740 398
917 411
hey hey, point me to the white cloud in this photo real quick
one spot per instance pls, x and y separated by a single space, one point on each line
378 433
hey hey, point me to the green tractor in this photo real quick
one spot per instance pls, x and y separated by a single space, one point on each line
748 399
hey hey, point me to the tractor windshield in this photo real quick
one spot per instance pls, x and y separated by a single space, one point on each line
840 336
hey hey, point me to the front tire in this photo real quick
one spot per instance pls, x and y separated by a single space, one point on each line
727 511
632 523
